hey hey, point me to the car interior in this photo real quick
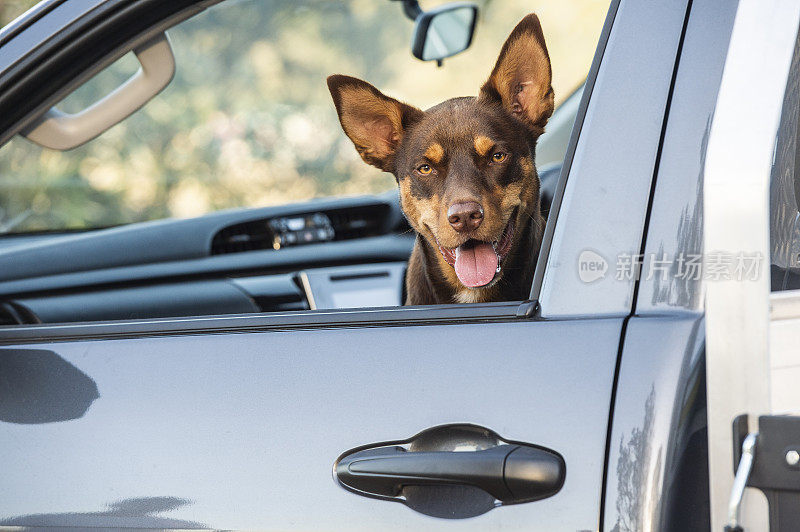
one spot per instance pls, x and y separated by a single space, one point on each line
335 252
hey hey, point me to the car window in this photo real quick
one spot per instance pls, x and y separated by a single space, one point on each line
220 162
248 120
785 190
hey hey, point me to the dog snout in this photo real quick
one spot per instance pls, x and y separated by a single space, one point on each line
465 216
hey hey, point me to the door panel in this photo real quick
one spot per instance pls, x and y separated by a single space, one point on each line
657 449
242 430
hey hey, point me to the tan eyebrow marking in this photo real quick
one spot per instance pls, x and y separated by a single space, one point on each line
435 153
483 145
527 165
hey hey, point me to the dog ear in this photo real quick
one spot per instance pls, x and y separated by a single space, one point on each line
521 79
373 121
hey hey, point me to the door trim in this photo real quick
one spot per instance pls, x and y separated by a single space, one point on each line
274 321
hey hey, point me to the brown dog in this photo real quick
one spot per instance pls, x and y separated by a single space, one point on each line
468 183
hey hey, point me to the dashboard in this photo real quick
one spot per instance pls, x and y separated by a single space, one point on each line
333 253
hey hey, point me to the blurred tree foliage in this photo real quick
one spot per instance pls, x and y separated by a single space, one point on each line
248 120
11 9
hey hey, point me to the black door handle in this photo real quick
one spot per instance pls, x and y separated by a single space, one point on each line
511 473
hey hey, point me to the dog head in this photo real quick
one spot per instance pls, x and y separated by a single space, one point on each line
465 167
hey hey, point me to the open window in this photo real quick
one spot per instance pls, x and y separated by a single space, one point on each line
217 180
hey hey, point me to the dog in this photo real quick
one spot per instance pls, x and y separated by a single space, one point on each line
466 173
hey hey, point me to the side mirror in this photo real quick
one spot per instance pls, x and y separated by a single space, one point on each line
443 31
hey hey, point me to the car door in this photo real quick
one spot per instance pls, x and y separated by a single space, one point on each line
237 421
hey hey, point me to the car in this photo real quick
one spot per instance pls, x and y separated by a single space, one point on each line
251 368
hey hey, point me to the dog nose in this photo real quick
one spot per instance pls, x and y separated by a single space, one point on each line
465 216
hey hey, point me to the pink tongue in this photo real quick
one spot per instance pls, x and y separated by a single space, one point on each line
477 265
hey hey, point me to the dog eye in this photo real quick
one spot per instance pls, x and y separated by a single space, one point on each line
499 157
424 169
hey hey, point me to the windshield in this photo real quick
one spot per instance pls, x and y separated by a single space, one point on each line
248 120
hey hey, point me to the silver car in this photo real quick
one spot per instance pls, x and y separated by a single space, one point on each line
252 368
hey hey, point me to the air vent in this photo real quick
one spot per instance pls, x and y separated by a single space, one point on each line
358 222
249 236
303 228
